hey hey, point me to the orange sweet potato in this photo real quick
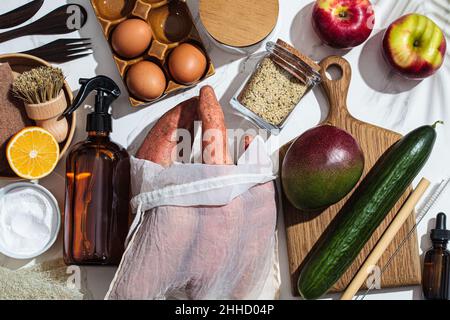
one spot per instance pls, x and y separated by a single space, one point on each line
160 143
214 142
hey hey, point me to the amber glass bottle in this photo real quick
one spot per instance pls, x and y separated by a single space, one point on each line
97 201
96 217
436 269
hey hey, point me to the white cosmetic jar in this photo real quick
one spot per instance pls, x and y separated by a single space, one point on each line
54 225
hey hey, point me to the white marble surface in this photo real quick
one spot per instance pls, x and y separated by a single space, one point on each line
376 96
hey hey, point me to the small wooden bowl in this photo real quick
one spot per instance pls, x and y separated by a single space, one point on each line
23 62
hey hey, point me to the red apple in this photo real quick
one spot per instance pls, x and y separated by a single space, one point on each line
414 46
343 23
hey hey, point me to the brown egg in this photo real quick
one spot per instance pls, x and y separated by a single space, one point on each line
131 38
187 63
146 80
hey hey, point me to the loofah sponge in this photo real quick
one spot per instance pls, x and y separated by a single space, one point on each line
42 282
13 116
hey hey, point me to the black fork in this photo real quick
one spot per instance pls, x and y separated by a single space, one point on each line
63 50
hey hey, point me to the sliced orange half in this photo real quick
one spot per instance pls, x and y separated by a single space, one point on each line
33 153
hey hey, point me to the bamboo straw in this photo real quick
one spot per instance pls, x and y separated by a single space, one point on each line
385 240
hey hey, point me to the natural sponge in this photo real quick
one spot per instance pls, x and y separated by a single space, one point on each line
13 116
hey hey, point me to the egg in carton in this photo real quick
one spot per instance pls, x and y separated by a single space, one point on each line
172 27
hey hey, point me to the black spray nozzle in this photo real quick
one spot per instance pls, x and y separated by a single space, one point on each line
440 233
107 92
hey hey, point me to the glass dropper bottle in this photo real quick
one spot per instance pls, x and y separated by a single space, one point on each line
436 270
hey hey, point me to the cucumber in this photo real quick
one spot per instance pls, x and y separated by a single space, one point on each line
364 211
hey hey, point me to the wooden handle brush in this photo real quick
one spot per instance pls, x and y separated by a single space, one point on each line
41 91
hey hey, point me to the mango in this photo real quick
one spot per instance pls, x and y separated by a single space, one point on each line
321 167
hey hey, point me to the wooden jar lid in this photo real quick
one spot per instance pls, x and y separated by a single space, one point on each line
239 23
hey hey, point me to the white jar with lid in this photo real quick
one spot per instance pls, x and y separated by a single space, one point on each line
30 220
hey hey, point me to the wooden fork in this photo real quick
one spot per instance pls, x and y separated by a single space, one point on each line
63 50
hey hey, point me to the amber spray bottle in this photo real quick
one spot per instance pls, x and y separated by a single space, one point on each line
436 269
96 217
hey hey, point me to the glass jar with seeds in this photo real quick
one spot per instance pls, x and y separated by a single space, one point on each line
281 78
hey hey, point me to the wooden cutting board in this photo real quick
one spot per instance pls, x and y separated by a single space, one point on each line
304 229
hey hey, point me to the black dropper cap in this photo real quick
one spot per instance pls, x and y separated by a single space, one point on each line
107 91
440 233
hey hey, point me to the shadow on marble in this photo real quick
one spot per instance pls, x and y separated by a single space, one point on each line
425 241
375 71
96 280
322 100
305 39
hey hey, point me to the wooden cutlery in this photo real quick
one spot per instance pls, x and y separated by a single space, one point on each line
63 50
20 15
56 22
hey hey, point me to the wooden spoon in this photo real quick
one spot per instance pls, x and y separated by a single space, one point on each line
58 21
20 15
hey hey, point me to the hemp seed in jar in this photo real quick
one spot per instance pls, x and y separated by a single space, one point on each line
279 82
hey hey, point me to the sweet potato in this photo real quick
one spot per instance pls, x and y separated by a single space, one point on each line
248 141
214 142
215 152
160 143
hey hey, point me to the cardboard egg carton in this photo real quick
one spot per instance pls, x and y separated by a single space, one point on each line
171 23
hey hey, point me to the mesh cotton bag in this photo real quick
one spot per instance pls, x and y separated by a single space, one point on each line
201 231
